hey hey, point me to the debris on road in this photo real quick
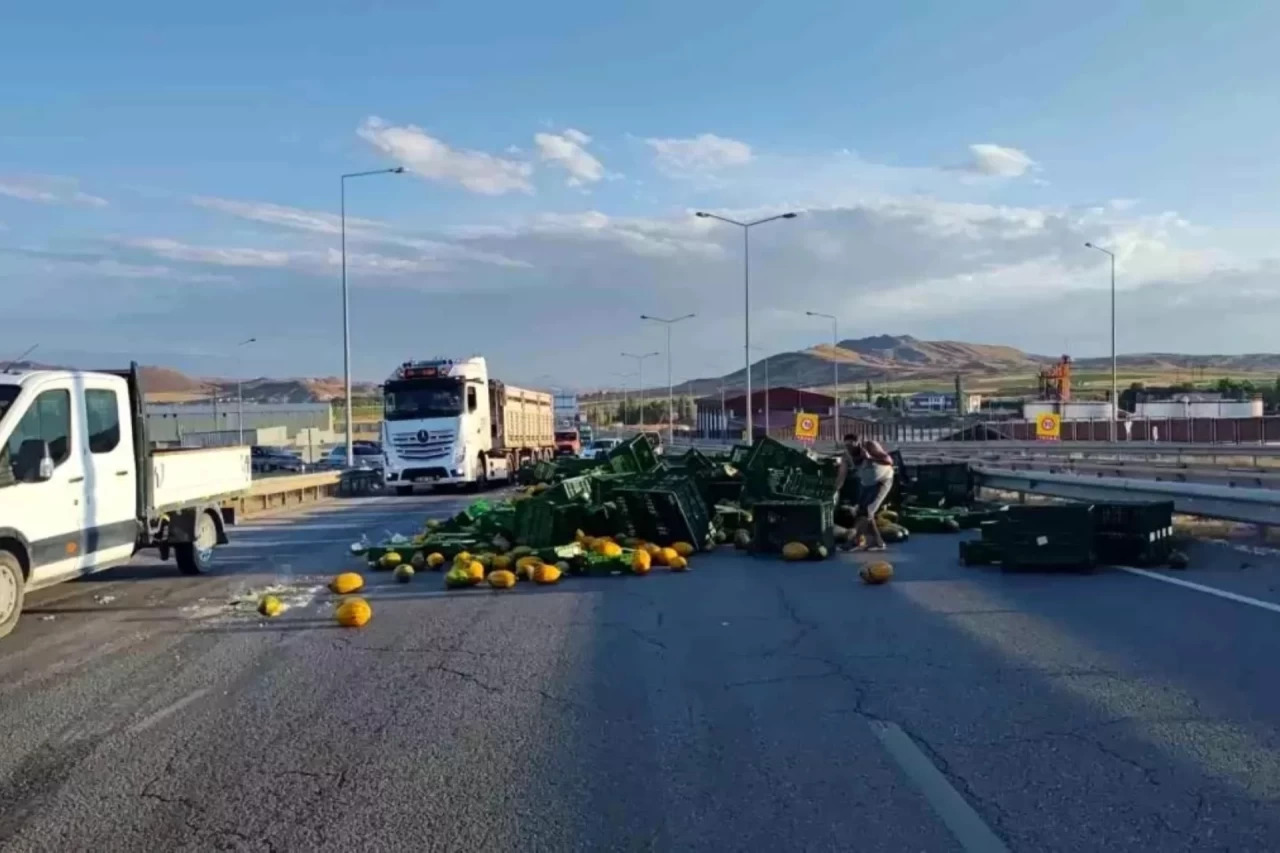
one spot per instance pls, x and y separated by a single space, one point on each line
270 606
353 612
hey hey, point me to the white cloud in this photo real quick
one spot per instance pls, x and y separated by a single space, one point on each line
703 153
429 158
999 161
215 255
48 189
568 151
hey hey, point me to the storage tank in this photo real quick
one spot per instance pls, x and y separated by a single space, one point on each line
1075 410
1199 409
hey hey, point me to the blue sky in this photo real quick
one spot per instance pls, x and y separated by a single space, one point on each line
168 177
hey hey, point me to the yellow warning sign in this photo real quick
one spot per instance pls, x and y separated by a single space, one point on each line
1049 427
806 426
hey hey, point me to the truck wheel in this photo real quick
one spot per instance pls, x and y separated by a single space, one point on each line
12 586
404 491
196 558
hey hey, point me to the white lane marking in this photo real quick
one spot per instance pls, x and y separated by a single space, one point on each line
1220 593
969 829
297 525
148 722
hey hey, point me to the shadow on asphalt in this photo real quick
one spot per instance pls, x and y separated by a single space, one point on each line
701 685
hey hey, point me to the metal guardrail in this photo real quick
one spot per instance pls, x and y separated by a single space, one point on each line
1248 497
282 491
1250 506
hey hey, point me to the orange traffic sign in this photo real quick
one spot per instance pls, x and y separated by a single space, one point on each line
806 426
1049 427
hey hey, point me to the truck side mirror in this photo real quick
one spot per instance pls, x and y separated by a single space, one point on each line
33 464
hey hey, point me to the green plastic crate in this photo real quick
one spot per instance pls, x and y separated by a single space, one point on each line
775 523
670 511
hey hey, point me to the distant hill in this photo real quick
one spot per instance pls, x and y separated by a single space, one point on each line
895 358
165 385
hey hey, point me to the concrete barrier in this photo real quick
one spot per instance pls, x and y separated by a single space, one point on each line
272 493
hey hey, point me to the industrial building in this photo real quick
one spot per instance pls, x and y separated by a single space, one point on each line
773 407
168 423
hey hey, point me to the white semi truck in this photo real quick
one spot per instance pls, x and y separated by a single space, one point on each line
82 490
446 422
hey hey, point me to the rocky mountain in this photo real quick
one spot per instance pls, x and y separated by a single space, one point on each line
895 358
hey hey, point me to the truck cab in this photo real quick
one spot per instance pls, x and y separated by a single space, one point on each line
436 424
81 490
568 442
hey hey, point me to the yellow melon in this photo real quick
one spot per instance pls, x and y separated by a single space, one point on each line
347 582
684 549
270 605
546 574
475 571
876 573
678 564
435 560
501 579
795 551
641 562
501 562
353 613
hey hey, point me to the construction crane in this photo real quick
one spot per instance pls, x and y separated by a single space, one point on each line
1055 381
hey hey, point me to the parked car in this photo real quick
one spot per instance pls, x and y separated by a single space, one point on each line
599 447
368 454
267 459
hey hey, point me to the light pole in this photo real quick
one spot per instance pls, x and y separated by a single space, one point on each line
640 379
1115 400
766 387
240 391
346 304
624 377
835 364
746 292
671 409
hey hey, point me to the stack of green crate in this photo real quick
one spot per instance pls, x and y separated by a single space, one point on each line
666 511
1044 537
1136 533
939 484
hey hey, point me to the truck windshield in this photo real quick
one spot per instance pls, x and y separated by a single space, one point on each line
566 436
423 398
8 393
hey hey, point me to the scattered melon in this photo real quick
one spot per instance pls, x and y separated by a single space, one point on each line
485 560
562 566
520 551
433 523
390 560
418 561
608 548
818 553
654 550
641 562
876 573
664 556
501 562
684 549
270 605
347 582
475 571
404 573
526 565
542 573
435 560
456 578
462 558
795 551
353 613
502 579
678 563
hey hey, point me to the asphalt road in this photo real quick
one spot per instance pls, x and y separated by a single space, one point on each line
747 705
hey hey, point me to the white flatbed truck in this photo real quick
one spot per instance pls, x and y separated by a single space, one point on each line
82 490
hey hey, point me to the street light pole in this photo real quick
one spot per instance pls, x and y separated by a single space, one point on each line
640 378
1115 399
240 391
835 364
746 293
346 303
671 410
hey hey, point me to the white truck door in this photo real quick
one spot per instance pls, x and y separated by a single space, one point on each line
46 513
110 474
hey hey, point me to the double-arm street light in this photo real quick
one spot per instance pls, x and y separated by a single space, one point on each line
671 411
640 378
746 291
835 364
240 389
1115 399
346 306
